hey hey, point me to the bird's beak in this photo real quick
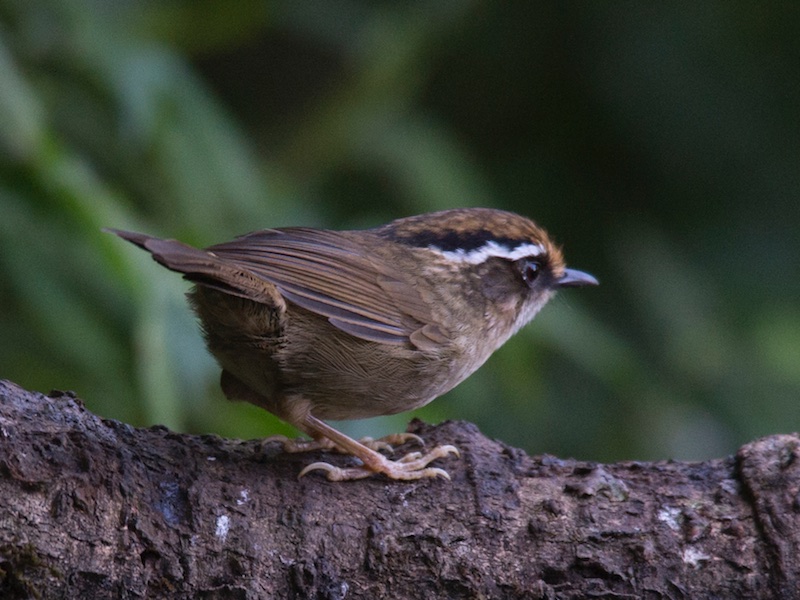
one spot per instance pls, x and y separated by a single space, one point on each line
575 278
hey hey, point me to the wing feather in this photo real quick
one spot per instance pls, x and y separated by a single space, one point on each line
332 275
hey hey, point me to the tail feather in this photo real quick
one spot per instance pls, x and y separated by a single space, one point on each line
173 254
201 267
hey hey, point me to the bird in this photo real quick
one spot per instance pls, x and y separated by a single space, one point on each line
319 324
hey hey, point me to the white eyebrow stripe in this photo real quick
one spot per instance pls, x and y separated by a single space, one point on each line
489 250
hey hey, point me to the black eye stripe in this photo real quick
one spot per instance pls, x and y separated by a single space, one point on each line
450 241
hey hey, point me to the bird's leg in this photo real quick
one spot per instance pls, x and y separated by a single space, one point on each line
324 437
411 466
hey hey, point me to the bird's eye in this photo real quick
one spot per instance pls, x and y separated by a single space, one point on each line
530 271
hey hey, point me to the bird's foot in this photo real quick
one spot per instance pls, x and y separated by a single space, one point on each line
412 466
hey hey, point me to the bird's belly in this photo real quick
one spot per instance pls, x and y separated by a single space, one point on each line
345 377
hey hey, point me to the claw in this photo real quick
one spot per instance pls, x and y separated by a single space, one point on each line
448 449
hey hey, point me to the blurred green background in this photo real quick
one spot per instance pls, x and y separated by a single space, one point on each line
658 142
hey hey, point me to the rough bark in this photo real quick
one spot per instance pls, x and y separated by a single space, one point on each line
92 508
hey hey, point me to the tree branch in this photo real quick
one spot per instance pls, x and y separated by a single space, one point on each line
93 508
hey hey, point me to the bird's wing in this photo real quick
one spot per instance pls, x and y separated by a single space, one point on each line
332 275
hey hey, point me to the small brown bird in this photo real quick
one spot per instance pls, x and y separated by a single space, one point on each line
314 324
